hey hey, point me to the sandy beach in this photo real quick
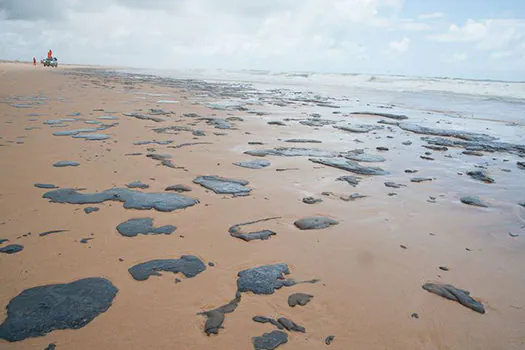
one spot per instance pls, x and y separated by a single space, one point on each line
402 230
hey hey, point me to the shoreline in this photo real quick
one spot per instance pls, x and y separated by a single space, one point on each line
369 284
295 72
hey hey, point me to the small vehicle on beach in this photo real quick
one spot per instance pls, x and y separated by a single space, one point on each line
47 62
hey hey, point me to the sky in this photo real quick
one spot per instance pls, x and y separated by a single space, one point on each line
477 39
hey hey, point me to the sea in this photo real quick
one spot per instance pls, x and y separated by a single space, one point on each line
502 102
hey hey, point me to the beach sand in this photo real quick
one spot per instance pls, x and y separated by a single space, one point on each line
369 286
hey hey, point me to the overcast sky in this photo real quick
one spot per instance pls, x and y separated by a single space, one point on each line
455 38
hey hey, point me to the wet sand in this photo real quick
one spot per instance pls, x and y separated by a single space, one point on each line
369 285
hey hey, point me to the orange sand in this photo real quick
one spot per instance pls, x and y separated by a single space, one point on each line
369 285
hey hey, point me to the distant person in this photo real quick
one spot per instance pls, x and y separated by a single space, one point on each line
34 61
50 54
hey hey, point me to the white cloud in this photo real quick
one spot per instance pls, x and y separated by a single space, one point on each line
500 39
457 57
472 31
433 15
411 25
189 32
490 34
501 54
401 46
315 35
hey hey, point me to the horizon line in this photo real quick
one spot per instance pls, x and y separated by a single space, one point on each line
284 71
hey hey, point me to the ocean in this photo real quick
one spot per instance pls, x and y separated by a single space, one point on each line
475 102
483 99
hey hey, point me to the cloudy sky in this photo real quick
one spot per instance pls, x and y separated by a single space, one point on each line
455 38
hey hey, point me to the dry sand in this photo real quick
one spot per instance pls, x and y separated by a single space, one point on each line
369 286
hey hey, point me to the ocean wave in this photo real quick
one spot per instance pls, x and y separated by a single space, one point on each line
257 71
298 75
512 100
514 91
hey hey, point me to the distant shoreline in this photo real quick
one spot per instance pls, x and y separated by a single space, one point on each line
283 72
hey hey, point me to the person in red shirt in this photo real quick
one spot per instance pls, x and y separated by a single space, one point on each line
50 54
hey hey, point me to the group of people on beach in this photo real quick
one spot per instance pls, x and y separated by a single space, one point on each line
49 57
